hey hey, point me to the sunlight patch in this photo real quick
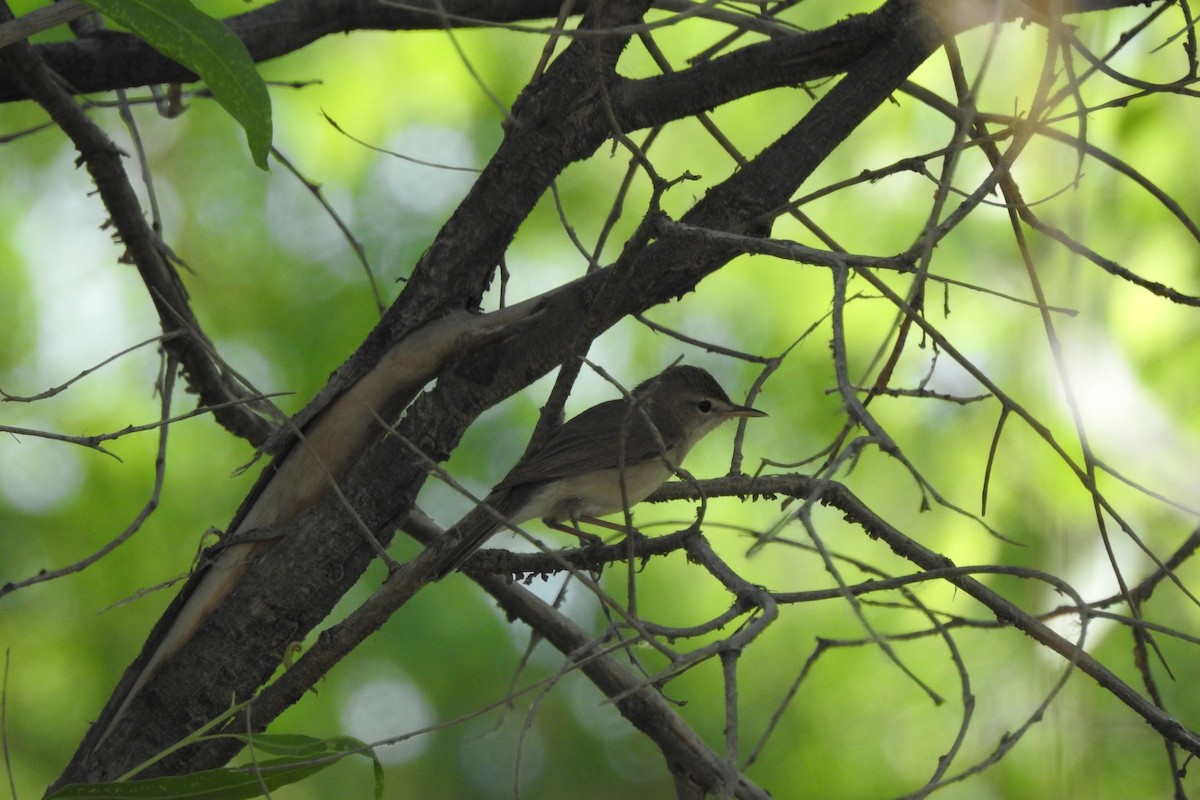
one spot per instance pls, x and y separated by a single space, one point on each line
387 708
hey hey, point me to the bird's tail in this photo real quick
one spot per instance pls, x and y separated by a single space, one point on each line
495 512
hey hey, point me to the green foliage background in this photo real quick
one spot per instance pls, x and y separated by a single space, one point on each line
285 301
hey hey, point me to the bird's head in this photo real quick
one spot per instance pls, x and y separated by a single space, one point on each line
693 397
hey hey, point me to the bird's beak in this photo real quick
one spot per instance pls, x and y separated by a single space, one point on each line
741 411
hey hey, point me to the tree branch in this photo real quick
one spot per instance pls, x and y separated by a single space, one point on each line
120 61
184 337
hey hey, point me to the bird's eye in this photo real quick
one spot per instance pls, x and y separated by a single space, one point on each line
704 406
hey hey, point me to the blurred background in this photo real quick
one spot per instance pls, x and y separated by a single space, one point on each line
285 299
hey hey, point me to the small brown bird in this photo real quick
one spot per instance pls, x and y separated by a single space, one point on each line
608 458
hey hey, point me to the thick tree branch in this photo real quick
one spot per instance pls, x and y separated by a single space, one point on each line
120 61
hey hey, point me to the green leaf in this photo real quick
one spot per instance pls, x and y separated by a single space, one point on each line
183 33
305 756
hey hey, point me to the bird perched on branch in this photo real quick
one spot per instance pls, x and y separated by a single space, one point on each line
608 458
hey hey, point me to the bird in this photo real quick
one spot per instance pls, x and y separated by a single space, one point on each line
604 460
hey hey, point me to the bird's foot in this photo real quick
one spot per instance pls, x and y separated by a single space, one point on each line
589 541
634 540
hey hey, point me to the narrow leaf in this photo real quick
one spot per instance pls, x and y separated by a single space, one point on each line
308 756
183 33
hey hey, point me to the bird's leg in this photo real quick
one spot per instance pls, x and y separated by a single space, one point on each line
633 536
600 523
585 539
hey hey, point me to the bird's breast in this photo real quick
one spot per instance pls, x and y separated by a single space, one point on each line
598 493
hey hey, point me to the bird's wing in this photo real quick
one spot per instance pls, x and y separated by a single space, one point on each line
590 442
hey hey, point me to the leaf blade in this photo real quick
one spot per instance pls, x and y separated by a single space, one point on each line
183 33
